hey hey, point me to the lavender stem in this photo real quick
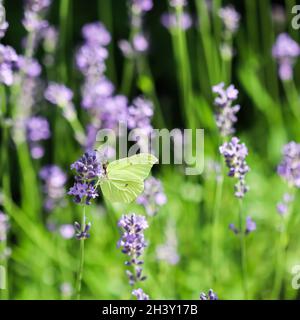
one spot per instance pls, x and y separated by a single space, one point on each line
81 261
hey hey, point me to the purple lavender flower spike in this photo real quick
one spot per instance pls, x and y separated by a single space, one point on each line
54 180
133 243
250 225
37 129
88 168
210 296
153 196
171 21
8 62
140 294
82 234
29 66
58 94
226 113
96 33
289 168
140 114
235 153
141 6
37 5
285 51
230 18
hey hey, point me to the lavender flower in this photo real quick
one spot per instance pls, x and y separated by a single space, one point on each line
140 6
289 168
140 43
82 234
133 243
168 251
58 94
140 294
96 33
3 22
153 196
226 113
172 21
67 231
30 67
38 129
178 3
54 180
88 168
250 226
4 226
235 153
140 114
50 39
210 296
33 23
285 51
37 5
8 62
230 18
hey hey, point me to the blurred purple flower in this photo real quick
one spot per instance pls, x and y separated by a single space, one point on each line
8 62
140 6
230 18
234 154
50 39
29 66
285 51
250 225
171 21
153 196
289 168
54 180
95 33
37 5
67 231
58 94
140 43
140 113
37 129
33 22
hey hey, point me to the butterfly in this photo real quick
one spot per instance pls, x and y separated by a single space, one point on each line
124 179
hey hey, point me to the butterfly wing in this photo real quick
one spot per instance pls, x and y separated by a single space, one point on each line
125 177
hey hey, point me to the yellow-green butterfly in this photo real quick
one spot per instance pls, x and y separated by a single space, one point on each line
124 178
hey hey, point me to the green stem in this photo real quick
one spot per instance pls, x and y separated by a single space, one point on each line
282 252
243 251
215 224
81 261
